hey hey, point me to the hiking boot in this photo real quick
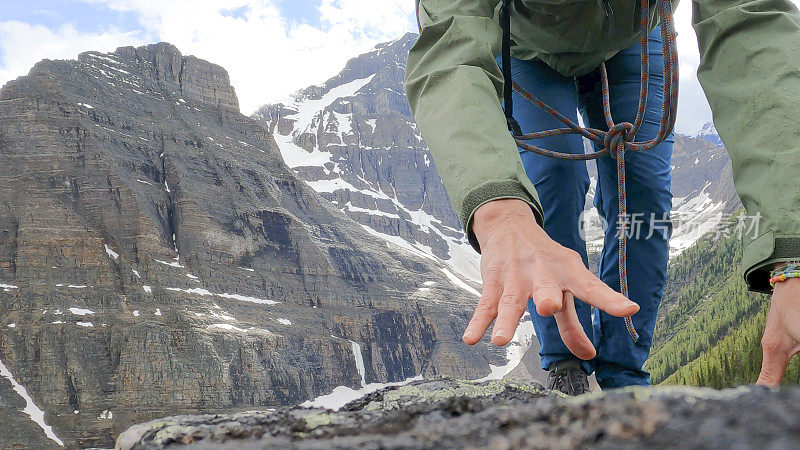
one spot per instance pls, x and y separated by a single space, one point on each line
568 377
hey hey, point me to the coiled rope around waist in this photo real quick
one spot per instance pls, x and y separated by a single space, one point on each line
619 137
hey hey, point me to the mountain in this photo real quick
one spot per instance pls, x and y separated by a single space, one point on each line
702 189
160 253
709 133
354 140
158 257
709 328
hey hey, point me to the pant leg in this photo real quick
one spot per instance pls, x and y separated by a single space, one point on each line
561 184
619 359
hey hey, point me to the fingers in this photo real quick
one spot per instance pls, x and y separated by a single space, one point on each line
509 310
548 298
586 286
484 314
572 332
775 360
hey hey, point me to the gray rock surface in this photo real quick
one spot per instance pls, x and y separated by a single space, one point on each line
445 413
158 257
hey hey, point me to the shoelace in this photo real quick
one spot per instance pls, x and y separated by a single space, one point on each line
564 378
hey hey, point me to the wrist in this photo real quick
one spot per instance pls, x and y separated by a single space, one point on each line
491 214
789 287
783 272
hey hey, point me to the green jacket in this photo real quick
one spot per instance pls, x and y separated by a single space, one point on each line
749 70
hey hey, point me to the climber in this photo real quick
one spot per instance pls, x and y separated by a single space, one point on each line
522 210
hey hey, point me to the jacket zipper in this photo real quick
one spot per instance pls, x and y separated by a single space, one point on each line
608 25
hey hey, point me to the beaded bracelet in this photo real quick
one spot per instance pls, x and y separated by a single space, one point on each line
789 269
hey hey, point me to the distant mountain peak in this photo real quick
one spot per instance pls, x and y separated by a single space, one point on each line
354 140
162 66
710 134
708 128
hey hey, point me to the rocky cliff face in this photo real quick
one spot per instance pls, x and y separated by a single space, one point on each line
498 415
355 141
157 256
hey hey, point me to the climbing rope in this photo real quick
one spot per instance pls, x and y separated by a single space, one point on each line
619 138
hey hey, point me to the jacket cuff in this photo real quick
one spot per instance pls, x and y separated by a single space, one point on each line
760 255
496 190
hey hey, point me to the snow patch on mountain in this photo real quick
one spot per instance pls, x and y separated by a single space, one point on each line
310 109
34 412
296 156
458 282
693 217
205 292
342 395
515 350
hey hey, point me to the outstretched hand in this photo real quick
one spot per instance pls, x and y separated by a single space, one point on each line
781 338
519 261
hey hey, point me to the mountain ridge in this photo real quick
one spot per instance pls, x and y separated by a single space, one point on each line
156 254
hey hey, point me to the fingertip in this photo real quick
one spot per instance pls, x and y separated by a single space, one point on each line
767 381
546 307
631 308
580 347
501 337
498 341
470 337
471 341
628 309
773 368
587 355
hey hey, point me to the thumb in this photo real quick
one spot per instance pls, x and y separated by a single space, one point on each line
773 364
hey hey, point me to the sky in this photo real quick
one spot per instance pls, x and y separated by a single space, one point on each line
271 48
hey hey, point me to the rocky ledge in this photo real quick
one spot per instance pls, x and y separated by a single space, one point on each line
502 414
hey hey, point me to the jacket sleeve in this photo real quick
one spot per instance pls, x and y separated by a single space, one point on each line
750 72
454 86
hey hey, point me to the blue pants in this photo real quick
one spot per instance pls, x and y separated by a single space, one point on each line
563 184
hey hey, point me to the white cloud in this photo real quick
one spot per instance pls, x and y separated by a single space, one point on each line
22 45
374 18
267 55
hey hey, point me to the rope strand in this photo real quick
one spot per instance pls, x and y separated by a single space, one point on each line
620 137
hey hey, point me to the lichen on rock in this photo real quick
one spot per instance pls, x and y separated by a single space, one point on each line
502 414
